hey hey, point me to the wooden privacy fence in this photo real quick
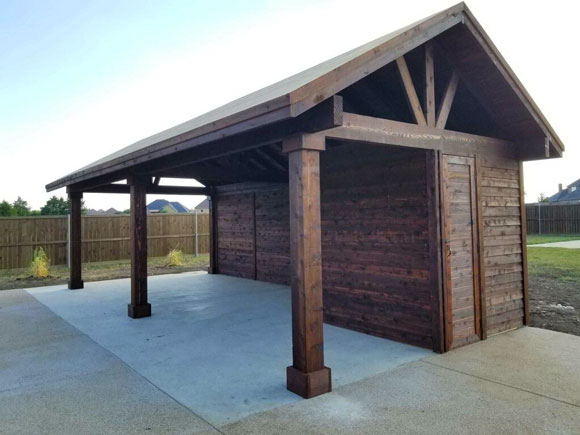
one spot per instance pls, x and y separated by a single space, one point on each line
105 238
550 218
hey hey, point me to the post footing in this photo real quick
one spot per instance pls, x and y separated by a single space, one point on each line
76 284
310 384
139 311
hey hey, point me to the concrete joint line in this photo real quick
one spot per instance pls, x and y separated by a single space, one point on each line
502 384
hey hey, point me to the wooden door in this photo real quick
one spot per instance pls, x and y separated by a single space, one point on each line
460 251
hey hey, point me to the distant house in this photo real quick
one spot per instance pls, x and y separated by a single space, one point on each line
569 195
202 207
109 212
164 206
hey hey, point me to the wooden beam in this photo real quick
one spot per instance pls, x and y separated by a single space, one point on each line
447 102
139 307
412 98
307 377
378 131
152 189
75 241
429 84
547 147
271 160
524 230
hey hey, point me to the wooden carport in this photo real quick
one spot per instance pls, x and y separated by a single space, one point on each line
430 124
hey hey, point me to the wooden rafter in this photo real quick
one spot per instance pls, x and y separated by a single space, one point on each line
410 91
265 156
448 98
429 85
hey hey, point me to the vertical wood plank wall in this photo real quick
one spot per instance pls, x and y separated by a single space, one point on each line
502 243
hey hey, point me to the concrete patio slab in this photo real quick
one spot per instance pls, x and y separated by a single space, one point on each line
55 380
217 344
418 398
532 359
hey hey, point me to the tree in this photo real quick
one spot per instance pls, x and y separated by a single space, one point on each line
55 207
543 198
5 208
20 208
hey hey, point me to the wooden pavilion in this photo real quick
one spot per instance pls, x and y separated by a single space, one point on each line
384 185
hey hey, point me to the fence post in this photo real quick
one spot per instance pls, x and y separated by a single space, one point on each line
196 235
539 218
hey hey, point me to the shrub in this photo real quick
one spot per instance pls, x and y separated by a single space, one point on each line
174 258
40 267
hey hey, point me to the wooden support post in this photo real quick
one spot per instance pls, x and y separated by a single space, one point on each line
213 233
307 377
524 230
139 307
429 85
436 265
75 242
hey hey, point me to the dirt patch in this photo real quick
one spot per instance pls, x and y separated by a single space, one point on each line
555 304
7 283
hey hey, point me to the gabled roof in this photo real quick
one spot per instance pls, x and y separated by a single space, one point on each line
203 204
293 96
159 204
571 193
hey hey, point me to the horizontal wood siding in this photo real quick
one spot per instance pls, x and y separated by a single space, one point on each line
273 236
502 244
375 251
235 221
376 274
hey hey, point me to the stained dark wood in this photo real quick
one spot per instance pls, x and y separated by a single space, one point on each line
523 249
412 98
503 246
155 189
430 85
306 267
213 232
460 247
445 107
434 229
366 129
75 248
139 307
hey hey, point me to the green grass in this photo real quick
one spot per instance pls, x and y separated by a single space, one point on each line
561 264
535 239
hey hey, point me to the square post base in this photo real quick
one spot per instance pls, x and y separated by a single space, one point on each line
139 311
76 284
310 384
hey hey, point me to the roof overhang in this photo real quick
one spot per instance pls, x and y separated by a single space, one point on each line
297 98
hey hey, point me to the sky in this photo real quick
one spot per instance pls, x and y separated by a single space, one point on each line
79 80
